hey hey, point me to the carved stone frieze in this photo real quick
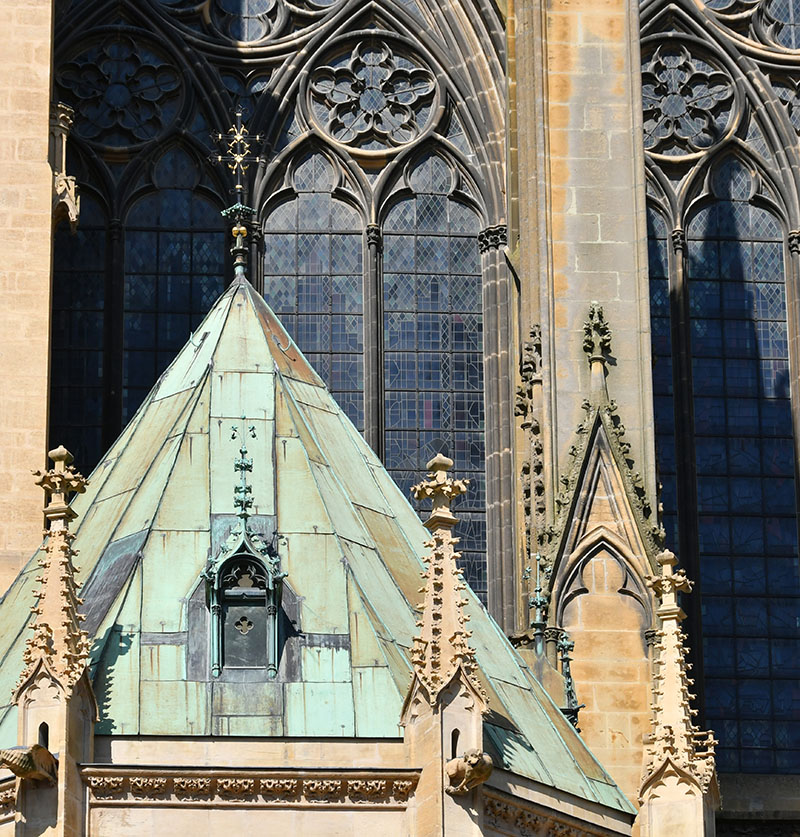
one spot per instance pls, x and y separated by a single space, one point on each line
235 787
191 786
365 790
148 785
256 788
509 817
280 788
324 790
8 800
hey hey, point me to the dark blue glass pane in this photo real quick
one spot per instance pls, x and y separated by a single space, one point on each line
174 267
744 457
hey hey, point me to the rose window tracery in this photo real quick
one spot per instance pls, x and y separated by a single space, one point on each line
687 103
125 92
372 99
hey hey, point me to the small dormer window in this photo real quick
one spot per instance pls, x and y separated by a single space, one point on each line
245 622
245 602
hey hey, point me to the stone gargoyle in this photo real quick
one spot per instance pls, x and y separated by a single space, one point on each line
468 771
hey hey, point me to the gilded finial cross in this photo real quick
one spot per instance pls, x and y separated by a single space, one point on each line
236 151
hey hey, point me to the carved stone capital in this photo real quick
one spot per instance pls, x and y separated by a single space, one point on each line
794 242
492 238
374 237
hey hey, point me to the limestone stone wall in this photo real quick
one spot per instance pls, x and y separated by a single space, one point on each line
134 822
611 670
25 262
582 232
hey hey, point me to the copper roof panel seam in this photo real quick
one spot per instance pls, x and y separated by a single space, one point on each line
185 412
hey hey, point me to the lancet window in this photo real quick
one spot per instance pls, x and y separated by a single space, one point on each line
723 210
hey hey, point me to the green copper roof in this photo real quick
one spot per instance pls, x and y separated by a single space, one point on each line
161 504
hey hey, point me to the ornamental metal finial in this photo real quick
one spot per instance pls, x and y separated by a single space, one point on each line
243 493
236 151
236 155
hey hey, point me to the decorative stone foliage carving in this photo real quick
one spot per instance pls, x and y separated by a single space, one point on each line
373 99
688 102
280 788
8 801
532 470
323 790
235 787
148 785
365 790
508 817
256 788
191 786
56 655
493 238
442 649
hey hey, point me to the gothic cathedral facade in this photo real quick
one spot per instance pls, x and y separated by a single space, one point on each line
556 242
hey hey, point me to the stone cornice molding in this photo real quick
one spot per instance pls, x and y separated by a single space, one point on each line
252 788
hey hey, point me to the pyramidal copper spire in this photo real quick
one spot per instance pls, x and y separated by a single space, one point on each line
442 648
58 643
677 755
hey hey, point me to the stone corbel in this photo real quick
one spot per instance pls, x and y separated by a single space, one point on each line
66 200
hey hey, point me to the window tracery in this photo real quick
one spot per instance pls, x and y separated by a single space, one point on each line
720 220
128 93
362 103
372 99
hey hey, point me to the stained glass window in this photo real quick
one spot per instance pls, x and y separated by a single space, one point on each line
313 279
662 370
433 347
78 365
744 456
174 270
